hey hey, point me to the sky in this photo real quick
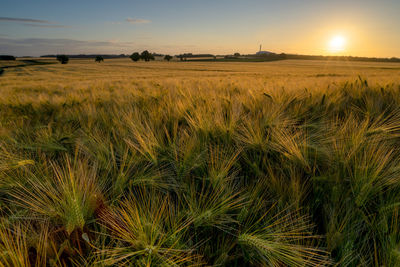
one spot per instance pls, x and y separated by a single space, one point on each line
36 27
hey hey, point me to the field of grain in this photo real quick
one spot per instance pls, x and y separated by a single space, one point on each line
287 163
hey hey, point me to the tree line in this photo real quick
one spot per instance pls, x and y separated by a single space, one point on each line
146 56
136 56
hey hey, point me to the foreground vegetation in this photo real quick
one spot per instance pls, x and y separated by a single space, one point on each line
184 164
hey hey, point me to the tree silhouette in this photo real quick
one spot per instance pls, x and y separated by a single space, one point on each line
63 59
146 56
135 56
7 57
99 59
168 57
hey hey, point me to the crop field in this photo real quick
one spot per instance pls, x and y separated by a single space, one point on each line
285 163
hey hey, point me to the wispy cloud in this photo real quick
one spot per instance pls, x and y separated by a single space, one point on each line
40 46
138 21
60 42
25 20
45 25
46 46
32 22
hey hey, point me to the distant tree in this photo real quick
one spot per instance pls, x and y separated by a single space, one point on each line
237 54
99 59
135 56
6 57
146 56
182 57
167 57
63 59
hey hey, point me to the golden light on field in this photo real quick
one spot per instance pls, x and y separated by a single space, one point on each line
337 44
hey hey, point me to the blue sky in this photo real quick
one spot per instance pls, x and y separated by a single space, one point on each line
36 27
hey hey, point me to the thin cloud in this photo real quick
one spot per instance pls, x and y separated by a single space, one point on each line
25 20
138 21
47 46
44 25
33 22
59 42
44 46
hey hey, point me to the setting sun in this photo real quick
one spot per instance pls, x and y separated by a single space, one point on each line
337 44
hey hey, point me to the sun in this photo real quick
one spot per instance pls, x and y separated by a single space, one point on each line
337 44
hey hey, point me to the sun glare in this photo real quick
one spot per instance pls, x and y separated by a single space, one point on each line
337 44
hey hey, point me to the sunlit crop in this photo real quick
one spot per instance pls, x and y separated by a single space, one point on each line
291 163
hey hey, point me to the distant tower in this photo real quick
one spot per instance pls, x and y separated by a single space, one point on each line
260 48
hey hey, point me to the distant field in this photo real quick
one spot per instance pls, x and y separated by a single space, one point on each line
22 62
285 163
291 74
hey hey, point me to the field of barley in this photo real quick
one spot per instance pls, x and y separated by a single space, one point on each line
287 163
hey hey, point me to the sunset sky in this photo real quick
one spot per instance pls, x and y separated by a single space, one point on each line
351 27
